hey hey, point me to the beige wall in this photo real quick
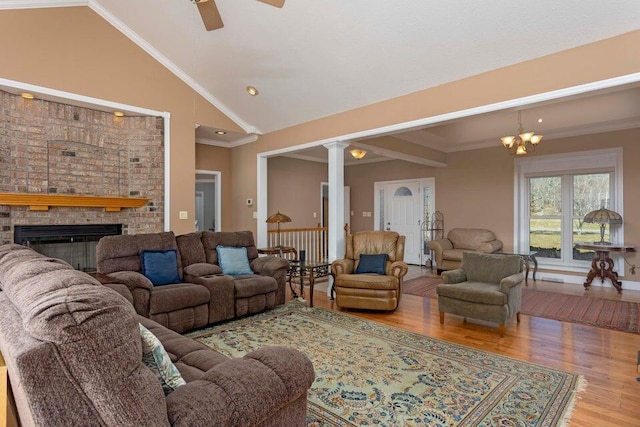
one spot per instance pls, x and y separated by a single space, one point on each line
74 50
218 159
294 190
597 61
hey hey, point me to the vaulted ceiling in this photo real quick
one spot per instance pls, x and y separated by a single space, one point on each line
311 59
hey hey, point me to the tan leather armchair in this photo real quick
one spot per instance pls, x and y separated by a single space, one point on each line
448 251
369 290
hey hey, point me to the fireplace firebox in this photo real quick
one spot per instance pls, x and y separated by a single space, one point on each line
75 244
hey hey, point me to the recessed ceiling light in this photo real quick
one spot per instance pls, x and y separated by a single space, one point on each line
221 132
118 113
540 120
27 95
252 91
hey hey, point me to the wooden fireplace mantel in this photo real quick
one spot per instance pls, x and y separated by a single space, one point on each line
42 202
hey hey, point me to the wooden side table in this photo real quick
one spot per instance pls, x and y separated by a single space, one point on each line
602 265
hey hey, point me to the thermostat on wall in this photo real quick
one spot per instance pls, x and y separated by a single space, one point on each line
249 202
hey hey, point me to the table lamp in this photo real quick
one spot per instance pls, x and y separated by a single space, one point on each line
603 217
277 218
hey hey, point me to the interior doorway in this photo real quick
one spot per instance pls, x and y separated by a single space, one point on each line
402 206
208 200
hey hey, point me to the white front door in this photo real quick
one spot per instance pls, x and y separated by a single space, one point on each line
399 207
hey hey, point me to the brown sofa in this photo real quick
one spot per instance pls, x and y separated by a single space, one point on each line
448 251
74 357
205 295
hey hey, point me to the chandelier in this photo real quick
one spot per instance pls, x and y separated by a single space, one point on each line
524 142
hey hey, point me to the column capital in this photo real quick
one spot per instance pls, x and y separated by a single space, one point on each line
336 144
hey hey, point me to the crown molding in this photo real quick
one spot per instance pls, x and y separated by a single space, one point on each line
142 43
228 144
133 36
37 4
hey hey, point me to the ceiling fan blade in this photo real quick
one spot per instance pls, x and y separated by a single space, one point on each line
210 15
275 3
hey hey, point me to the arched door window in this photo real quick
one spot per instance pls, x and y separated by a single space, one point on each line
403 192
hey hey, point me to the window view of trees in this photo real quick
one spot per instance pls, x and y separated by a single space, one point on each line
557 206
545 213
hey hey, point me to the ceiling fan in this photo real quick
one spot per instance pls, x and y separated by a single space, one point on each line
211 16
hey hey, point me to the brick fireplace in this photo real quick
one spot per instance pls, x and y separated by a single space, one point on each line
49 148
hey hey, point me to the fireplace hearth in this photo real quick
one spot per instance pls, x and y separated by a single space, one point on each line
76 244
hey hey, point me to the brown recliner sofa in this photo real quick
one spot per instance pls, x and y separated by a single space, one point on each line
204 295
74 357
369 290
449 251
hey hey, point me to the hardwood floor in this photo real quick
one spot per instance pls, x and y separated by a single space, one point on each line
606 358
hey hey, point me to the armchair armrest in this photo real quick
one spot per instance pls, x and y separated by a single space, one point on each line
201 269
454 276
511 281
342 266
439 246
122 290
490 247
132 279
398 269
269 265
140 288
244 391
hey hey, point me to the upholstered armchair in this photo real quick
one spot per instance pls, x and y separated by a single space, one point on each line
370 276
448 251
486 287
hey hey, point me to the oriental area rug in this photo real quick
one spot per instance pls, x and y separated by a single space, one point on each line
371 374
603 313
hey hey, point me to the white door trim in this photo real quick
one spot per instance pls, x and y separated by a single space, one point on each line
218 188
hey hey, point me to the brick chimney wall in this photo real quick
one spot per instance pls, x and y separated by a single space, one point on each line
52 148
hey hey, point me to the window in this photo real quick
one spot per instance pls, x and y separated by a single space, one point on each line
403 192
554 193
557 206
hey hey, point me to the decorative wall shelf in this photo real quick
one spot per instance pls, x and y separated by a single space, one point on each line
42 202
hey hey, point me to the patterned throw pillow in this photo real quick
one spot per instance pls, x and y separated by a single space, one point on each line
233 260
156 358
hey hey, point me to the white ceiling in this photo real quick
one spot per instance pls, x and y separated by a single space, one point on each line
314 58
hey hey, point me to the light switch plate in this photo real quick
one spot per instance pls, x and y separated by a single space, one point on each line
183 214
255 215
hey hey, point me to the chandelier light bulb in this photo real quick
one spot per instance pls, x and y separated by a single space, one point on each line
535 139
508 141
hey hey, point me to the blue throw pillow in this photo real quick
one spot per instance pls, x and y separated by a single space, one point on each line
233 260
161 267
372 264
